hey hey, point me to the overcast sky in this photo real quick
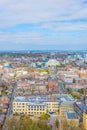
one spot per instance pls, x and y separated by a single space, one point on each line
43 24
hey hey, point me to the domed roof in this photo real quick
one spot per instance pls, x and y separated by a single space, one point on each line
52 62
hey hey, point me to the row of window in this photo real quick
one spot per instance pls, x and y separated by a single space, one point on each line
26 104
32 110
37 106
19 104
35 112
22 110
37 109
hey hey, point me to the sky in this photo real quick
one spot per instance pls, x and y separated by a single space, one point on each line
43 24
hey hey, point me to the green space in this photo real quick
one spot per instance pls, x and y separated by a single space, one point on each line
26 123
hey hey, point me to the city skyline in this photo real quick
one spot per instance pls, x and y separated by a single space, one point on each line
43 25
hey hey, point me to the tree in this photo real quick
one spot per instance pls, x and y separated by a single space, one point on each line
15 75
71 126
57 123
26 123
45 116
0 110
80 91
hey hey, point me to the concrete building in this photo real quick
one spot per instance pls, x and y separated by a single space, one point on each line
34 105
52 62
81 110
72 117
64 106
85 119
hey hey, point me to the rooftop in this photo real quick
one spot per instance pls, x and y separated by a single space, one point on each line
33 99
71 115
81 106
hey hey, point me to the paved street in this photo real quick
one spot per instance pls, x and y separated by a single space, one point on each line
52 121
9 113
61 87
10 106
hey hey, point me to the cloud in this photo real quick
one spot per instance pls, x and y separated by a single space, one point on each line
28 39
43 22
13 12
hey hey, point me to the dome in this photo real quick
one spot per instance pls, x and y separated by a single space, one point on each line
52 62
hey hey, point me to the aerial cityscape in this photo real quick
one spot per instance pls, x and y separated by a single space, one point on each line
43 64
48 87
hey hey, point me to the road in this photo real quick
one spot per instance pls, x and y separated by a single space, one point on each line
52 121
61 87
10 105
9 113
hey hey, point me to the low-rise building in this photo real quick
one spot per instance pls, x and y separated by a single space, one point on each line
34 105
72 117
85 119
81 110
64 106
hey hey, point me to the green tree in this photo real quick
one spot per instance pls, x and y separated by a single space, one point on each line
0 110
45 116
25 123
71 126
57 123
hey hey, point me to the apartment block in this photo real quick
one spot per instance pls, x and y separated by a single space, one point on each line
34 105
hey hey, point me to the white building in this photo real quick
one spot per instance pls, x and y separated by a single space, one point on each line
52 62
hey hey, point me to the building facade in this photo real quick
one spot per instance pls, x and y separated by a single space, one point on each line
34 105
85 120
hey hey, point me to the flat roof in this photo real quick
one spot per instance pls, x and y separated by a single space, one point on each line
72 115
81 106
32 99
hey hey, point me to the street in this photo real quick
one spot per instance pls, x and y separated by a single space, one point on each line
52 121
61 87
9 113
